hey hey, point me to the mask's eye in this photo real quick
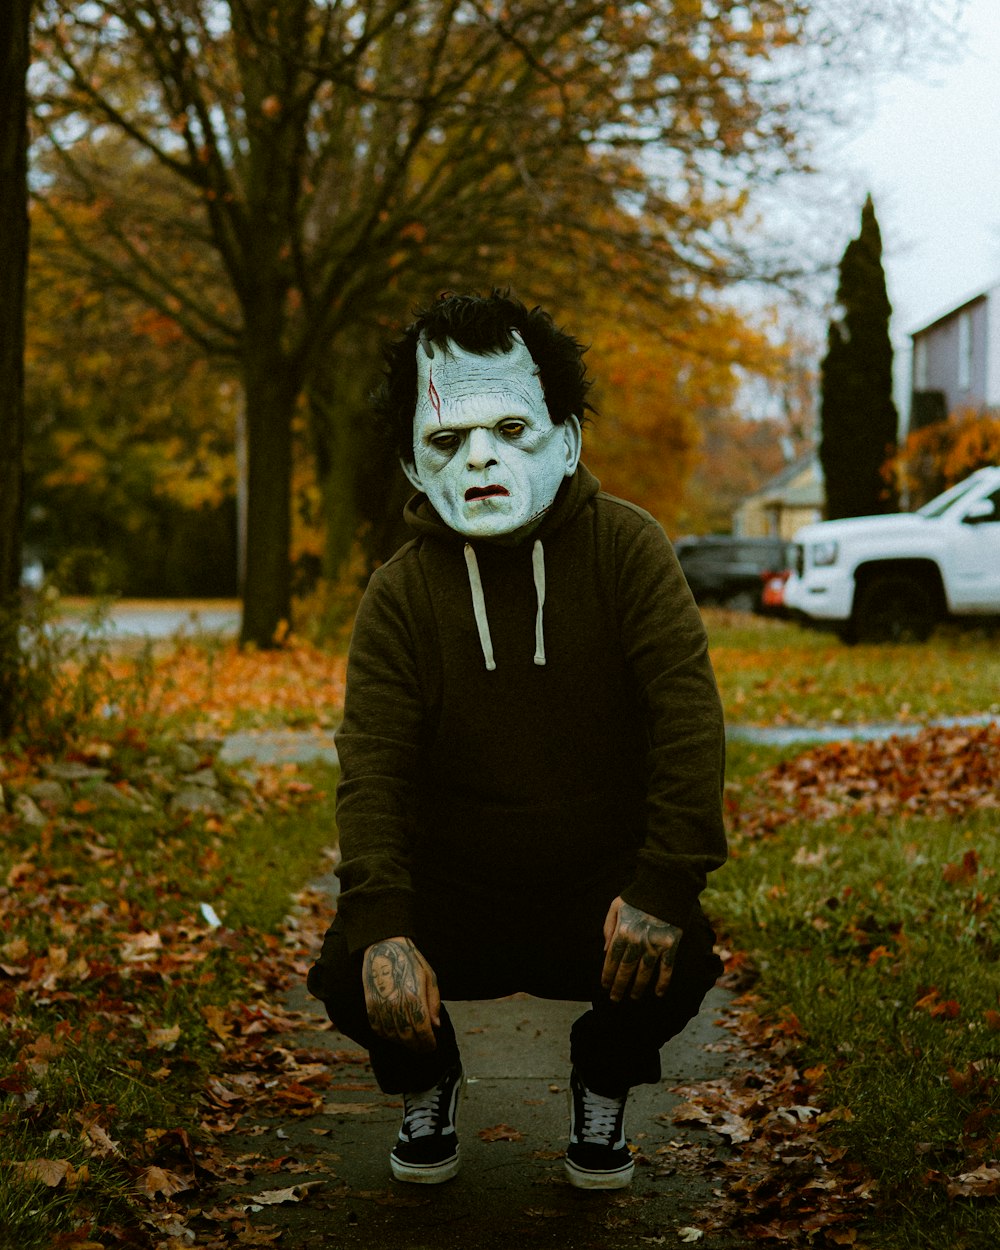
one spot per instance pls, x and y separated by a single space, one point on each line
512 428
445 441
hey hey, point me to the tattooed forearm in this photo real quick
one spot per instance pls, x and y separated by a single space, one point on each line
400 993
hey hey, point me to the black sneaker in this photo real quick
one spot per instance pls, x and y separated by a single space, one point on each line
427 1149
597 1156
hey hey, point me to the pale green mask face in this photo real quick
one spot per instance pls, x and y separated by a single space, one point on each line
485 450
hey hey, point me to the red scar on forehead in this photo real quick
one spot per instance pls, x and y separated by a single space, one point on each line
433 396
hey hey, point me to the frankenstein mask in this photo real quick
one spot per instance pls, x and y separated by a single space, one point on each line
485 450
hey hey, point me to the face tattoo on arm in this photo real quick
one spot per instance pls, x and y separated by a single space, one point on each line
401 993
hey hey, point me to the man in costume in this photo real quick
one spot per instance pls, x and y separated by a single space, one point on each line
532 748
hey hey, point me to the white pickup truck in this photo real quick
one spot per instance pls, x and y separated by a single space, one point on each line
888 578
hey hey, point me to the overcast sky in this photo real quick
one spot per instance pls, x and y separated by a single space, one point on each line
930 155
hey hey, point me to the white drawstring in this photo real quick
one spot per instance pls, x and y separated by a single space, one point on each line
479 607
538 571
479 603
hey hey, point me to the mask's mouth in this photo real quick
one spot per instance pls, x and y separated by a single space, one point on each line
485 492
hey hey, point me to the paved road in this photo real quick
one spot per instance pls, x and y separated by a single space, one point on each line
160 619
279 746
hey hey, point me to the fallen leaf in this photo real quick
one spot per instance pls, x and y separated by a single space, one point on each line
215 1018
690 1234
164 1038
984 1182
274 1197
156 1180
16 951
138 947
966 870
51 1172
500 1132
100 1141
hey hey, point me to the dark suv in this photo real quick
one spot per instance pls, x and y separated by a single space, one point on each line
733 571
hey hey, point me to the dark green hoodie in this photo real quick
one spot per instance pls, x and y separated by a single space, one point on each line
528 721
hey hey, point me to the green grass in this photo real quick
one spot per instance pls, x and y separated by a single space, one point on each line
869 931
776 672
78 1046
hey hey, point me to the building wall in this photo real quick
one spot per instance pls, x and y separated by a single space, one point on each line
959 354
778 511
774 520
992 338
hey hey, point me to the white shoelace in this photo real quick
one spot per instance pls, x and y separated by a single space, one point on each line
421 1112
600 1116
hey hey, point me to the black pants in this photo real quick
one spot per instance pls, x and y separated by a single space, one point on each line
613 1046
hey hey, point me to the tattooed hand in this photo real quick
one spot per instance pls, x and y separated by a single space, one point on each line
401 993
637 947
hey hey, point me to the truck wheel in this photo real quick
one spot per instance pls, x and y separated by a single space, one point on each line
893 608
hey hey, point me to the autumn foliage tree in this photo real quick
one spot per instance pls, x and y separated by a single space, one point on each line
323 158
941 454
670 409
300 174
129 455
857 412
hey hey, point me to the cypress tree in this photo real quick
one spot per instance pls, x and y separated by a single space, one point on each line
858 418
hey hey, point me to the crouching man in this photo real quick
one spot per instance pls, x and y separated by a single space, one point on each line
532 747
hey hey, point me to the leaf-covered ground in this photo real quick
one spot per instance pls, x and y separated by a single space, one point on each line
154 910
861 903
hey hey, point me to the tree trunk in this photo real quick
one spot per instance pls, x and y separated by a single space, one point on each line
15 17
270 404
336 449
338 402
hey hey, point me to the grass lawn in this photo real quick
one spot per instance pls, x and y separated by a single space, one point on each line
773 672
878 935
869 918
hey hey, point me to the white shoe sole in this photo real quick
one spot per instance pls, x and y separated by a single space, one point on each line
432 1174
582 1179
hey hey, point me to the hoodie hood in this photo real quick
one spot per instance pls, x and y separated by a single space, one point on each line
573 495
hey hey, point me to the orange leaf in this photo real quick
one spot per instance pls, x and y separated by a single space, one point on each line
215 1018
500 1132
164 1037
964 872
51 1172
159 1181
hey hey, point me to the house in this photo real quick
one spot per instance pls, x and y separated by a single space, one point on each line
794 498
956 360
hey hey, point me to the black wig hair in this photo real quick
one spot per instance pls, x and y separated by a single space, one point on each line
480 324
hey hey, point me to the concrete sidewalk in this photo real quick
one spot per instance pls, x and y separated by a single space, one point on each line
510 1190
